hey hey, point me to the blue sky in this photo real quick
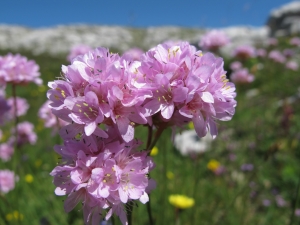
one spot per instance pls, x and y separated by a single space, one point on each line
138 13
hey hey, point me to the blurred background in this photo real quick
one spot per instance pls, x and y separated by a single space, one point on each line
249 174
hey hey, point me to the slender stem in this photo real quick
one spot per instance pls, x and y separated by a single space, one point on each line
157 136
150 129
15 114
129 207
295 203
148 204
113 220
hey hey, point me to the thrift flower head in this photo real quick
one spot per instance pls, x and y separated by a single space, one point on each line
213 40
25 133
236 65
7 181
22 107
277 56
242 76
18 69
6 151
244 52
292 65
181 201
295 41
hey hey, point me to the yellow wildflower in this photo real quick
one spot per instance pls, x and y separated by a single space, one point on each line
14 216
154 151
181 201
170 175
213 165
29 178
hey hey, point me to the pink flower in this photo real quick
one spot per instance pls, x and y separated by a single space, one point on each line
272 41
25 133
6 151
235 65
292 65
18 69
295 41
213 40
78 50
288 52
276 56
242 76
49 119
22 107
261 52
101 179
7 181
244 52
4 108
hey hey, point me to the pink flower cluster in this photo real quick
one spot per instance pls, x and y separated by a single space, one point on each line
102 174
244 52
213 40
18 69
242 76
7 181
104 97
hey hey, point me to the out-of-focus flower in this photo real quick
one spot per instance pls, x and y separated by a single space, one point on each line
247 167
266 202
280 201
133 54
277 56
50 120
78 50
242 76
272 41
29 178
295 41
38 163
170 175
292 65
213 40
22 107
288 53
244 52
4 108
14 216
236 65
6 151
181 201
154 151
232 157
7 180
297 212
213 165
261 52
25 133
188 142
18 69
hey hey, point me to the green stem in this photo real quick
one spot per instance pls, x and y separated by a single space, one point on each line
129 207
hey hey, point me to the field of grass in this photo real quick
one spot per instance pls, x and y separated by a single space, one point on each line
264 132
